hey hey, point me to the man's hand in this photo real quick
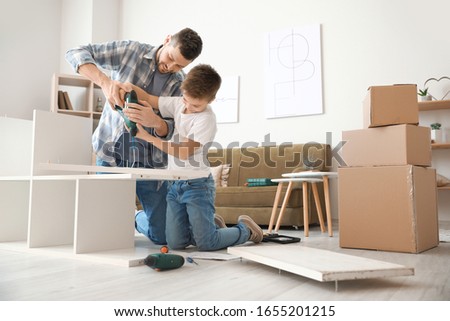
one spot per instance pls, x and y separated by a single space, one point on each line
115 92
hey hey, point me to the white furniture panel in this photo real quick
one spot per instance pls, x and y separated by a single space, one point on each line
52 212
104 214
14 197
59 138
15 144
319 265
15 170
136 172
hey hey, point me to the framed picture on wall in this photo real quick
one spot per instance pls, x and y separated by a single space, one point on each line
293 72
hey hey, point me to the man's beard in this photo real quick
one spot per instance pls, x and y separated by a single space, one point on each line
162 69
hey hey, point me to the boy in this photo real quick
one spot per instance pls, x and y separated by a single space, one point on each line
190 203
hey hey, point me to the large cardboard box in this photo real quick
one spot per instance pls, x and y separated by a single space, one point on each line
388 208
390 145
390 105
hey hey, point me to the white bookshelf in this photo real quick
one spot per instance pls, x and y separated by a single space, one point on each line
82 93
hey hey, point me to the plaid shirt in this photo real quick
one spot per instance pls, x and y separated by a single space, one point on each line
127 61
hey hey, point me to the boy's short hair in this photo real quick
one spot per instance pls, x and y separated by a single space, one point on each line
202 81
189 43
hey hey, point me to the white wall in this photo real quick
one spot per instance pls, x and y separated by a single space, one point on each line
76 28
106 20
29 55
87 21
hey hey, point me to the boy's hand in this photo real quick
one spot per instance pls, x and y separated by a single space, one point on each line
143 115
143 134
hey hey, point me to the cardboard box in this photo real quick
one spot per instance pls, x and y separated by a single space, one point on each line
390 145
390 105
388 208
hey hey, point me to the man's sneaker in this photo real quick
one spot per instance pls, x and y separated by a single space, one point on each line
219 221
256 233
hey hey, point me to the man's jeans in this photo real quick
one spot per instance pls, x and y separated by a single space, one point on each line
190 217
151 221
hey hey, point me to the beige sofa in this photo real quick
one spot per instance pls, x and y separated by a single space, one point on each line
235 198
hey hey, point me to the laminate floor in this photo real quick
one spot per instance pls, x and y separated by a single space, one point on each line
28 276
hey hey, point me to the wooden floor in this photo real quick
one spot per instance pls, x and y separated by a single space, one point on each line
25 276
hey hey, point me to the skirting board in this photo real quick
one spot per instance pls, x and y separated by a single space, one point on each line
319 265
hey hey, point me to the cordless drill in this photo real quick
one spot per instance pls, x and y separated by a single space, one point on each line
130 97
164 261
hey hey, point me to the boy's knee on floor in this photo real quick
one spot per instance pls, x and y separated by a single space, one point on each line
176 245
206 246
157 239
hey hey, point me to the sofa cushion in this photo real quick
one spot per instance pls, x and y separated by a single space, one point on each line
231 157
220 174
260 196
216 173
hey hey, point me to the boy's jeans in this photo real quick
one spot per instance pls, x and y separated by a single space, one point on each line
190 217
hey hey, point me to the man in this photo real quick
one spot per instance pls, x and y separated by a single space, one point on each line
158 71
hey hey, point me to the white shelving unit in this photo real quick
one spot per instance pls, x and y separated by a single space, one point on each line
83 95
55 203
43 209
430 110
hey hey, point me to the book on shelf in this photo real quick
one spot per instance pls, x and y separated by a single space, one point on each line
67 101
61 100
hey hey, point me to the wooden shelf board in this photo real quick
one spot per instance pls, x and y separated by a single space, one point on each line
434 105
73 80
444 188
440 146
75 112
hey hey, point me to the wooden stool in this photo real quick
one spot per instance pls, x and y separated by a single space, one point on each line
305 181
326 189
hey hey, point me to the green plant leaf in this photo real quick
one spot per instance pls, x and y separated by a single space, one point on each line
435 126
423 92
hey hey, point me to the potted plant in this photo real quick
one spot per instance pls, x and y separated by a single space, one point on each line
423 93
436 133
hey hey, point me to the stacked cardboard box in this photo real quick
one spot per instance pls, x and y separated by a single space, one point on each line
387 190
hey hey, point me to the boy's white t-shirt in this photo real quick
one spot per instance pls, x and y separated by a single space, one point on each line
199 127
